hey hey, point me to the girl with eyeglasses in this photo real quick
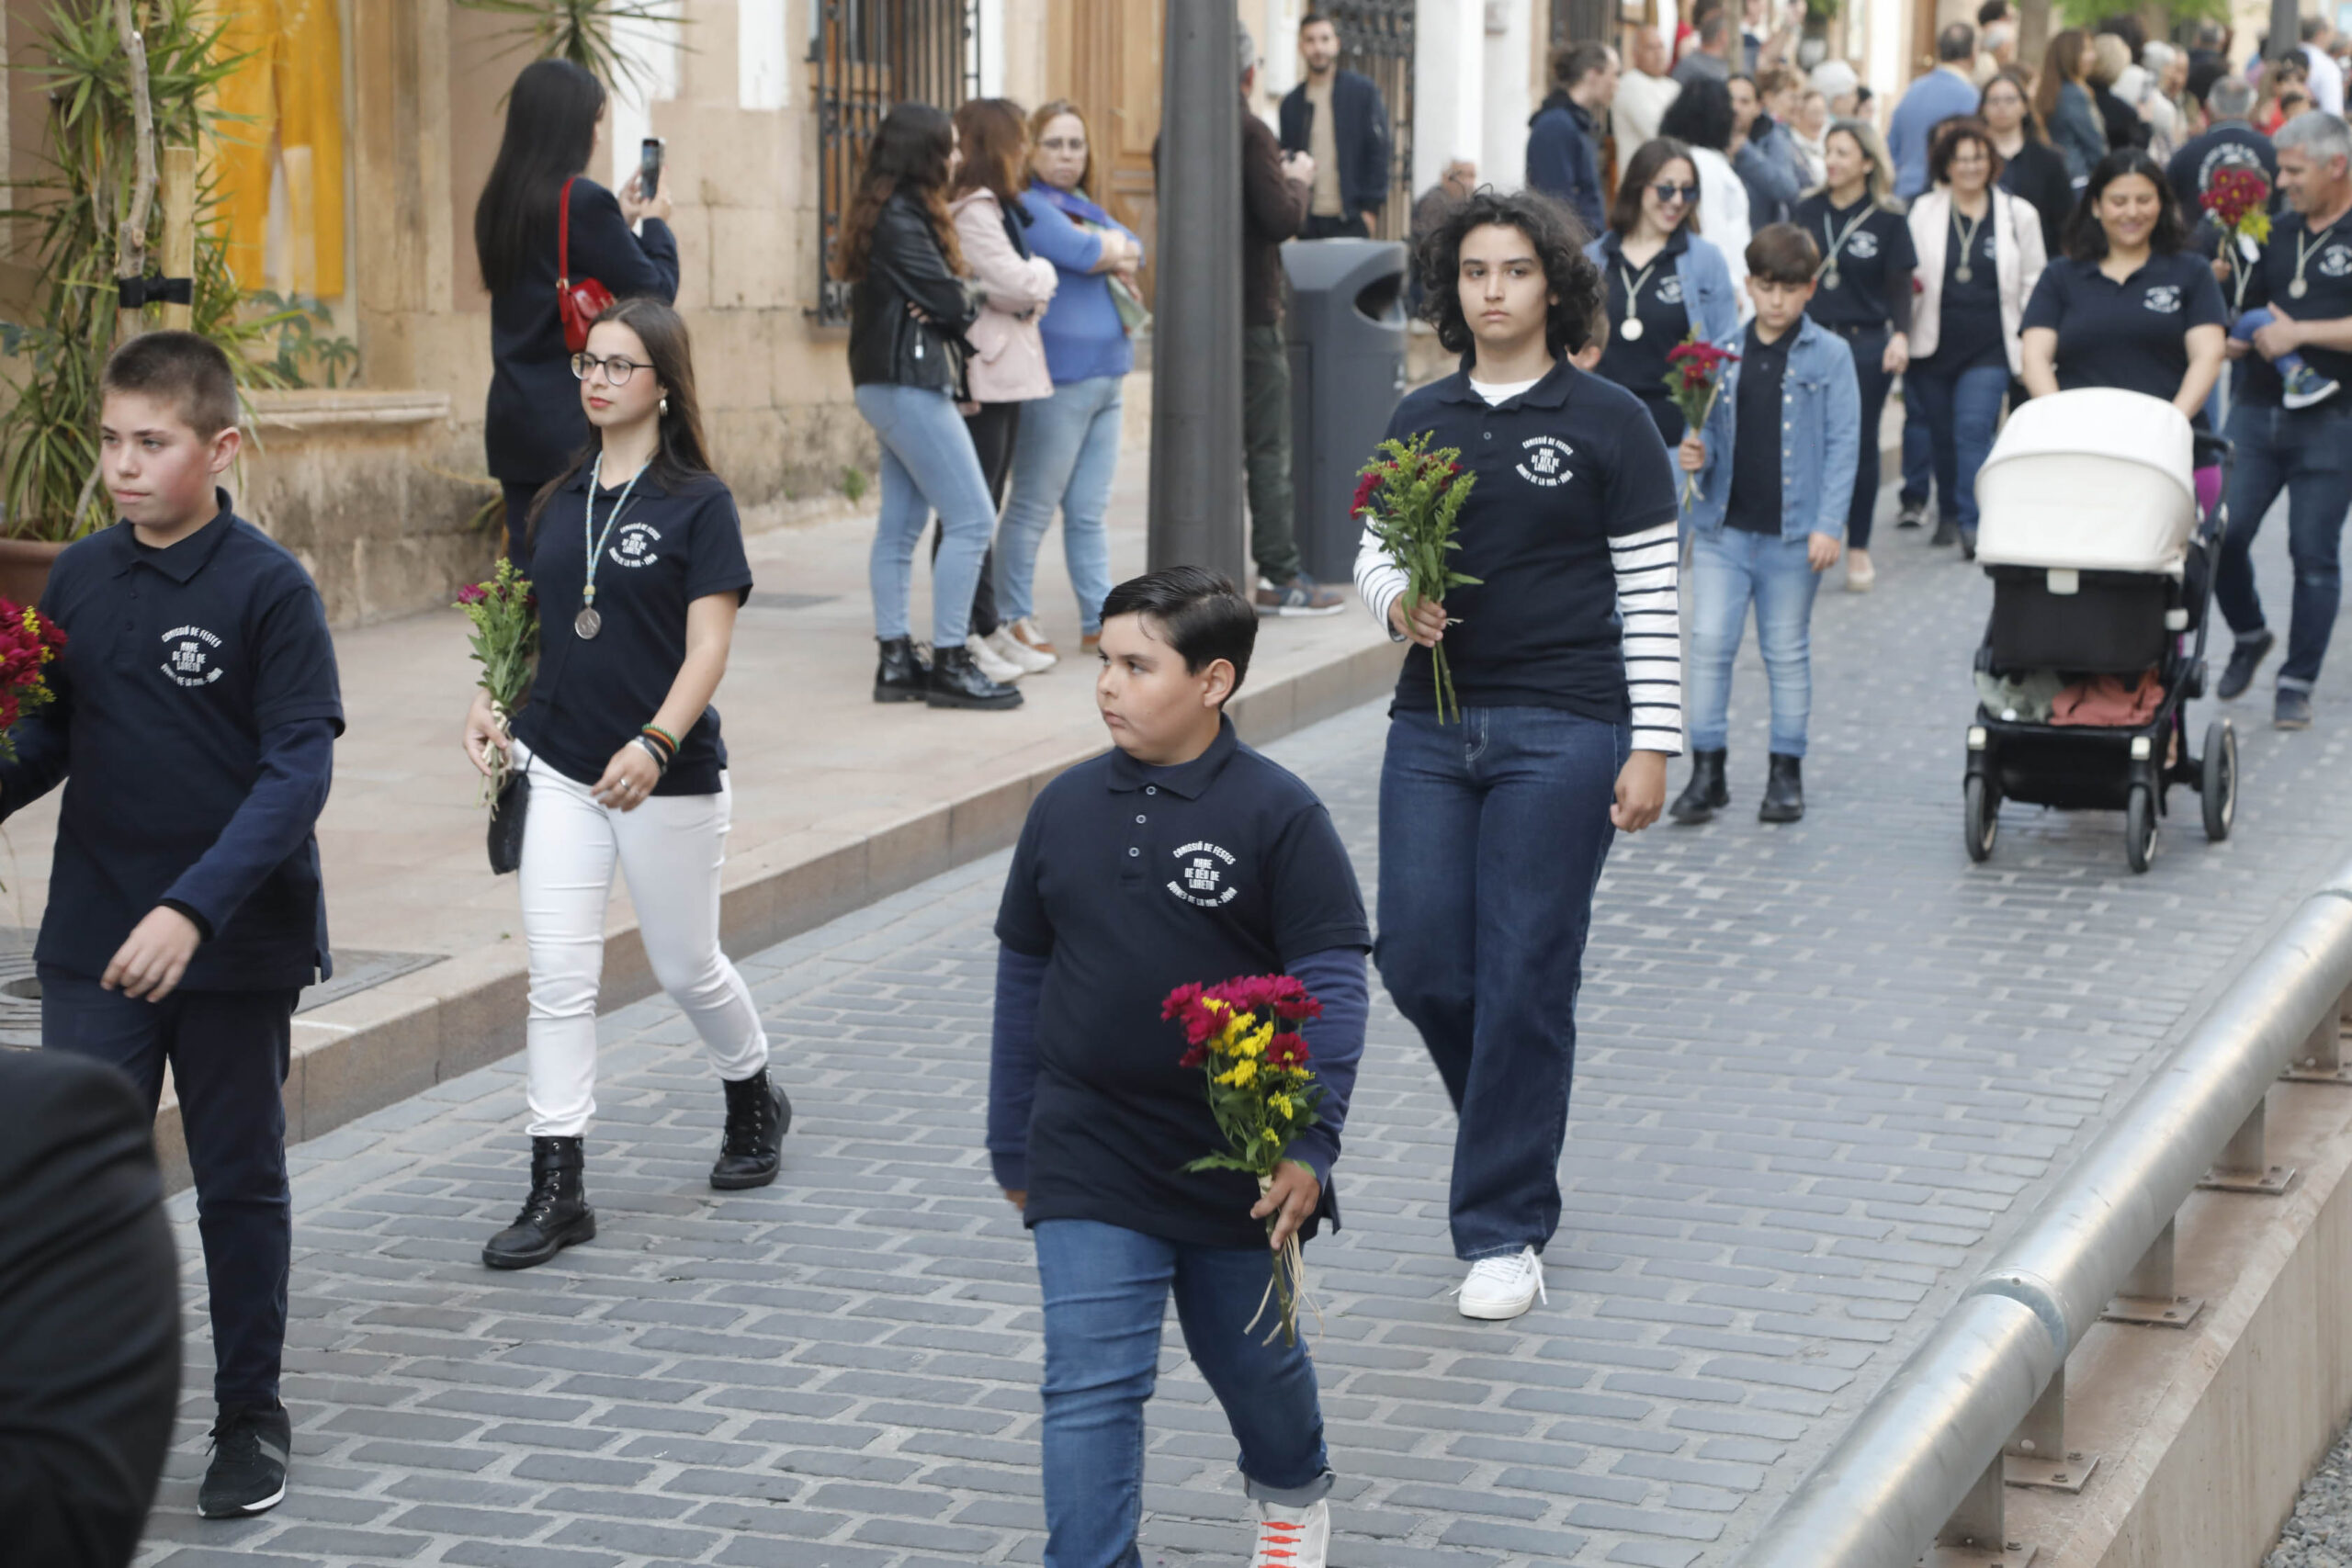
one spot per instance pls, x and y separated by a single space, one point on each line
1664 281
2031 167
1863 294
636 556
555 125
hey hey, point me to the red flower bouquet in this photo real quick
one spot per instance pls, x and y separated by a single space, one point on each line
1410 497
1244 1035
506 639
2239 202
1694 377
29 642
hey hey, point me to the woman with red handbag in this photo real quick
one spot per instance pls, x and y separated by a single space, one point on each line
555 248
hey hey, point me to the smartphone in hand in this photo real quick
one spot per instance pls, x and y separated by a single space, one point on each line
649 168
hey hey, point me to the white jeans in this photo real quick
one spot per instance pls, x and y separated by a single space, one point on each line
670 849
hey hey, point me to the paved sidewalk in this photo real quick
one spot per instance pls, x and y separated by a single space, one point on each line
1824 1069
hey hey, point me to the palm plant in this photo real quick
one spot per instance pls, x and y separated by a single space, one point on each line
578 30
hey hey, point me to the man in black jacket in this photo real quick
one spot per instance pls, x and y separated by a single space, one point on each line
89 1313
1564 138
1336 117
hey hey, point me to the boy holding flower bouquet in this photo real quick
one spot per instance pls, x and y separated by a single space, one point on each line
194 728
1180 858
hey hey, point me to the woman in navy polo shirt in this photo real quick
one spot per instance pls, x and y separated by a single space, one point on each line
1567 657
637 559
2127 305
1664 282
1863 295
555 123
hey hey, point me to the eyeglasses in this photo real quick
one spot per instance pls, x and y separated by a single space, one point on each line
1669 192
616 369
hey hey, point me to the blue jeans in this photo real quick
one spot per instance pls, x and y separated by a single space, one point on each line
1067 456
228 1051
1871 379
928 464
1918 452
2308 453
1731 569
1493 830
1961 413
1106 1290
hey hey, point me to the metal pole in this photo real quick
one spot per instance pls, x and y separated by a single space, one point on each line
2286 29
1196 516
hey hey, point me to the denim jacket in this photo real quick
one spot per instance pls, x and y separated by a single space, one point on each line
1820 439
1707 293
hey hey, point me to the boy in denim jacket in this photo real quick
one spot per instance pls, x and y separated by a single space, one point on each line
1776 473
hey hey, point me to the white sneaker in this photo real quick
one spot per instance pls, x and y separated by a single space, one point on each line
1293 1537
990 663
1012 650
1503 1287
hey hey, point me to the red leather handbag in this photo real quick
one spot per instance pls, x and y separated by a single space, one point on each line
579 304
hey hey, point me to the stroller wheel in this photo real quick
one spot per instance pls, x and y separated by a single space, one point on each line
2220 785
1982 817
2140 827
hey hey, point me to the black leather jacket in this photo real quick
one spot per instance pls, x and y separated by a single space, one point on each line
906 266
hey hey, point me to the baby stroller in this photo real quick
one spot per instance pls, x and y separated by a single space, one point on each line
2089 529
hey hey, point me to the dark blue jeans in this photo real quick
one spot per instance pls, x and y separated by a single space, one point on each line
228 1051
1106 1293
2308 453
1963 411
1918 452
1493 830
1868 346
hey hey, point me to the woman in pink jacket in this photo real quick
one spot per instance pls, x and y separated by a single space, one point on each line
1008 363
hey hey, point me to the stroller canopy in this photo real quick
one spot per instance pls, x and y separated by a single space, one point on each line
2096 480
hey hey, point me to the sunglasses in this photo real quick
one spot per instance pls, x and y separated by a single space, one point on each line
1669 192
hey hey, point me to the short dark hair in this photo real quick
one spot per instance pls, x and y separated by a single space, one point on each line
186 371
1641 170
1200 614
1700 115
1782 253
1992 11
1956 43
1949 137
2086 236
2311 28
2210 73
1558 239
1572 62
1314 15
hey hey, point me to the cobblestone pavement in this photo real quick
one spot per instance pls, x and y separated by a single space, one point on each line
1823 1068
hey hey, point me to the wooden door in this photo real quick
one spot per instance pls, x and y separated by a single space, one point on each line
1923 36
1114 70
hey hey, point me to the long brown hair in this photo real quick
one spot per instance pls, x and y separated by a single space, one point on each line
1044 115
2062 64
911 151
2033 124
681 454
1646 163
996 148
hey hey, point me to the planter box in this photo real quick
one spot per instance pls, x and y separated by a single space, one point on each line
23 568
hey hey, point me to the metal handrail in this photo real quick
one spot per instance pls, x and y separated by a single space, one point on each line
1933 1436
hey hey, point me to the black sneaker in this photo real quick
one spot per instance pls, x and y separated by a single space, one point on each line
2244 659
2293 710
1947 533
247 1475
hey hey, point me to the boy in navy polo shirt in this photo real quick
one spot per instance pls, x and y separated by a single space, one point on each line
194 728
1180 856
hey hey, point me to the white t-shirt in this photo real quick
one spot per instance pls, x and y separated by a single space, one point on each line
1497 394
2327 79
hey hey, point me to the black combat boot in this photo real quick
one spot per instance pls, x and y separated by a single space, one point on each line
1783 792
556 1215
956 682
1705 791
903 674
752 1147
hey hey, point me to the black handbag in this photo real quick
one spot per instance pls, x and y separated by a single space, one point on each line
506 815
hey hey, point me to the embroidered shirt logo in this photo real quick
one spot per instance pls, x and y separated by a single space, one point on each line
1546 463
2336 260
186 657
1863 245
1670 290
1202 874
2164 299
640 545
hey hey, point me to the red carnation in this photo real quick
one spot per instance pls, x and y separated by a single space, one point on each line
1365 486
471 594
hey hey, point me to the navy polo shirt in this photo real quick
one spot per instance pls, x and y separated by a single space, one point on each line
1563 467
2132 335
1970 333
1755 502
1875 261
197 705
1130 881
2327 296
1638 365
2231 144
592 695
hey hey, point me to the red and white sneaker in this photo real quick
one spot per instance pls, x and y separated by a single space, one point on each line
1293 1537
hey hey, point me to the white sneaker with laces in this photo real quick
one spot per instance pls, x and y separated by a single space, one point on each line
1012 650
993 664
1293 1537
1503 1287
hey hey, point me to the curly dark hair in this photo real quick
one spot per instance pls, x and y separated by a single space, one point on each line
1578 293
2086 236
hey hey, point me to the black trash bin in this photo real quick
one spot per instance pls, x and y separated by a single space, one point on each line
1346 331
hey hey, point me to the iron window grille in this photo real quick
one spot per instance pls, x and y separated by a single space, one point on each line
1376 40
